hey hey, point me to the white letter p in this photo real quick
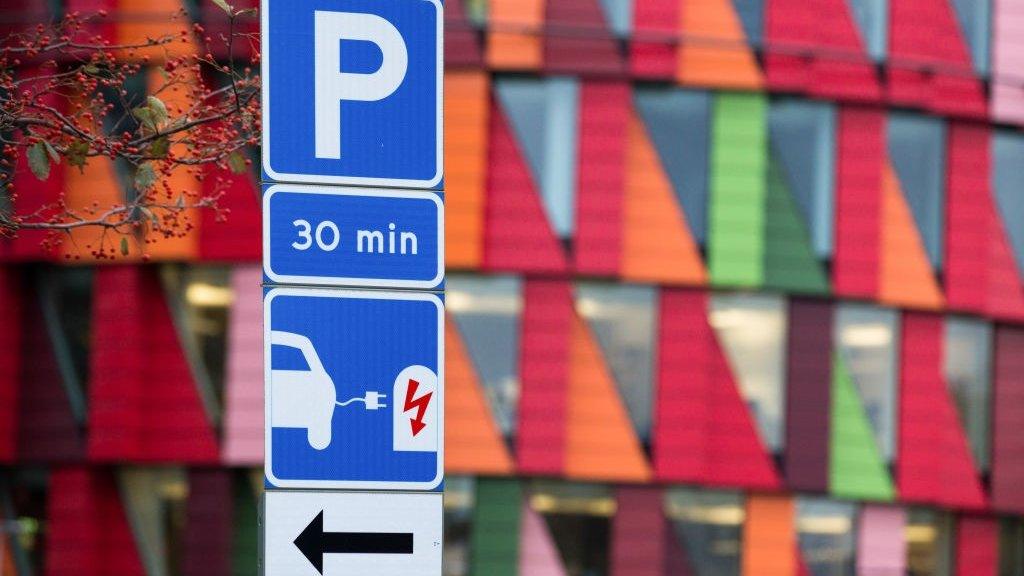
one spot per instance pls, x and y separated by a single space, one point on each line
332 86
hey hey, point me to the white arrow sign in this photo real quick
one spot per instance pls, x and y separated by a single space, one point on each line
337 533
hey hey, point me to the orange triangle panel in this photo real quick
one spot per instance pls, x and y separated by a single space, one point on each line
472 441
714 51
465 161
655 231
601 443
906 277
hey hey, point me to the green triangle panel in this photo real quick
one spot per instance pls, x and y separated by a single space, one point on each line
495 533
856 468
245 538
789 261
736 215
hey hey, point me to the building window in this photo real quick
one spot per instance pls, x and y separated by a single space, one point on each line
487 310
623 319
929 536
66 294
1008 181
23 513
155 500
579 520
825 530
802 137
872 18
544 114
1011 547
458 517
710 526
868 339
917 147
968 368
752 330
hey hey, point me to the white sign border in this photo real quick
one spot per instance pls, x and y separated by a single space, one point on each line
283 177
268 396
276 278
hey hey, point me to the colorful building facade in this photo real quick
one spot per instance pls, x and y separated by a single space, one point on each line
736 287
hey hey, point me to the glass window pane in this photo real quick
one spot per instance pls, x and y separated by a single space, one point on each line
751 13
868 339
487 311
579 520
752 329
802 135
974 22
544 116
929 536
917 146
872 18
710 526
458 516
623 320
619 15
1008 181
66 294
968 367
154 501
23 516
825 530
1011 547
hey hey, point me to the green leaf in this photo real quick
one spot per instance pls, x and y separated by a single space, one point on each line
52 152
124 246
91 69
76 154
145 176
247 12
223 6
159 109
237 163
145 115
160 147
39 161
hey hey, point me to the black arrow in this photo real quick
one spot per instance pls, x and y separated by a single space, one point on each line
314 542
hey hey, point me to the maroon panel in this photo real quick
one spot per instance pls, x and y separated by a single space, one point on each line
934 464
855 270
216 25
1008 421
640 533
235 235
10 358
47 429
544 373
808 391
977 546
144 405
461 42
517 235
929 60
817 49
703 431
87 531
604 122
655 37
577 39
208 515
102 27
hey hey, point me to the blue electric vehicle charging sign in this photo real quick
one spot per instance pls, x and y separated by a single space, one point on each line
354 389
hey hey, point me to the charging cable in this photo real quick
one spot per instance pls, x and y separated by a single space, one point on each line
372 401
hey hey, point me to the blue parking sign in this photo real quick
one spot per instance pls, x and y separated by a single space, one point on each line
352 92
354 389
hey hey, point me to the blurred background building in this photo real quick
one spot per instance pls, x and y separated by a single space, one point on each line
737 287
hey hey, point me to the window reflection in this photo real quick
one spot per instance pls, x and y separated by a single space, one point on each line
825 530
458 515
929 542
23 520
623 320
1011 547
579 520
968 368
752 329
709 524
868 340
155 500
487 311
66 294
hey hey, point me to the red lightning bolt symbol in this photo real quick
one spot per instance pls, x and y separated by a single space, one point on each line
420 404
